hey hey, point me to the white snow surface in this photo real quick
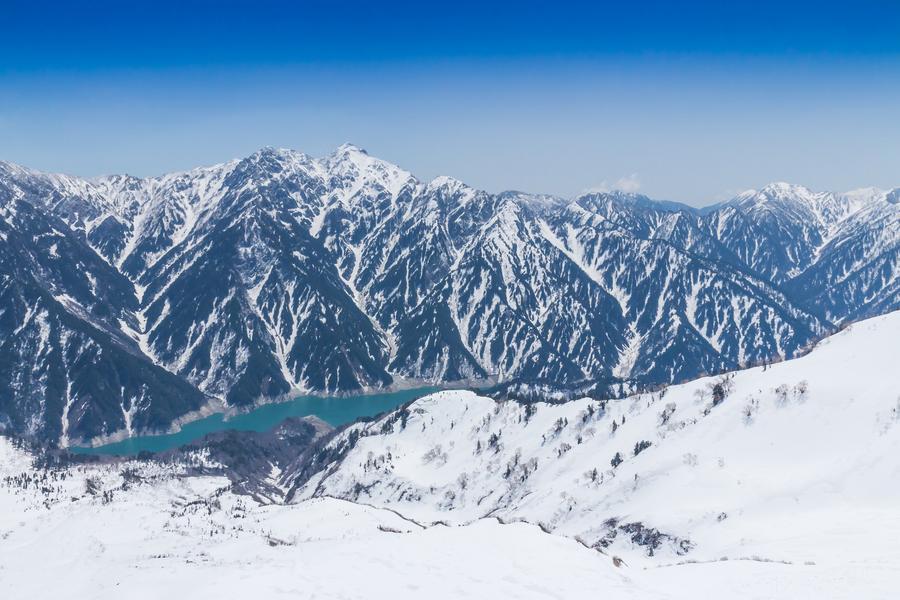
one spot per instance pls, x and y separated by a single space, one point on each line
171 536
787 488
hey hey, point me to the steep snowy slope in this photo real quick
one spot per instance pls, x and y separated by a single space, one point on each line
251 305
778 230
857 272
837 254
515 306
687 304
68 370
795 462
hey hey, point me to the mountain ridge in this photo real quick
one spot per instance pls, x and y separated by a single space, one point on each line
282 273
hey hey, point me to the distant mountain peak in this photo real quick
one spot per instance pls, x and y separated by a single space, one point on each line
786 187
446 181
775 191
277 153
632 200
349 148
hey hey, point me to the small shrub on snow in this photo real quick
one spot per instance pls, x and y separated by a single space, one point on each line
890 419
700 396
750 410
641 446
560 424
800 391
587 414
781 395
494 441
718 390
436 454
616 460
650 539
519 472
530 410
92 485
718 394
667 413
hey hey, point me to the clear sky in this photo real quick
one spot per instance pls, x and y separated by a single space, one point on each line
688 101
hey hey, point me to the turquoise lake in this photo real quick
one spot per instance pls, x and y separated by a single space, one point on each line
334 411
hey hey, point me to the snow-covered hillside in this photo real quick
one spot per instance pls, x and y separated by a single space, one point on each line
797 462
767 483
151 534
128 304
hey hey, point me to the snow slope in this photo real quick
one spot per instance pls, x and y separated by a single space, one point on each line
163 535
797 462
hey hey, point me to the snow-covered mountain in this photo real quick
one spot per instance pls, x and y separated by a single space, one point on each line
773 482
793 462
838 253
282 273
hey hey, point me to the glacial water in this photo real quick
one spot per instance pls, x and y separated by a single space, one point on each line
334 411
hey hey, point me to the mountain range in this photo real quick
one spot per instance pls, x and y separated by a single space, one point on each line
130 304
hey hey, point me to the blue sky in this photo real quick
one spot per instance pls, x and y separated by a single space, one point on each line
690 101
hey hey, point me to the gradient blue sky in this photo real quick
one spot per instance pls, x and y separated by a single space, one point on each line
689 101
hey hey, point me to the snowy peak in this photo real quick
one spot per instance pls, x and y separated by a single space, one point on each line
621 200
780 200
277 164
865 195
784 230
783 190
785 200
445 182
543 203
348 148
355 171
